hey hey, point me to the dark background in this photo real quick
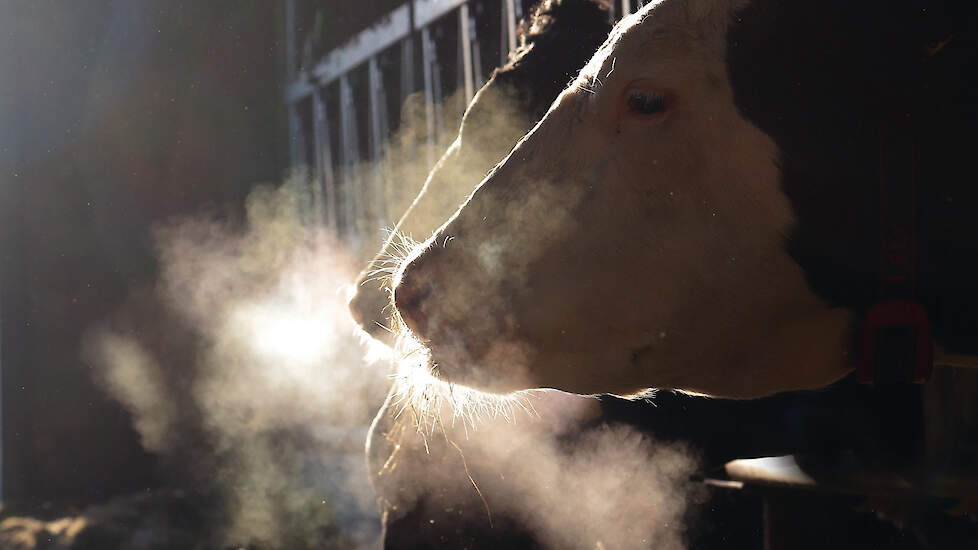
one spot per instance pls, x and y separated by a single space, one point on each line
114 116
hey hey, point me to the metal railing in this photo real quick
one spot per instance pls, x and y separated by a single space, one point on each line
345 107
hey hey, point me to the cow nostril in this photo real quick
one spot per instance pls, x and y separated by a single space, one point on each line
370 308
408 297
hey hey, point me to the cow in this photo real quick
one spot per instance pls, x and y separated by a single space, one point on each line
555 41
700 209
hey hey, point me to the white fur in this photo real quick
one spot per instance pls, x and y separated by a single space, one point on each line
616 254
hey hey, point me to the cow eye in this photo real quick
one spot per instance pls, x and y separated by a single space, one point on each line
645 102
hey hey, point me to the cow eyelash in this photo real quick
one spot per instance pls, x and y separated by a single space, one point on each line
646 103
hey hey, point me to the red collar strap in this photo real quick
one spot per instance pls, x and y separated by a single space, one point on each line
896 344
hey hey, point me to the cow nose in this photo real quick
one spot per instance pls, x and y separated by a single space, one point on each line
370 308
409 296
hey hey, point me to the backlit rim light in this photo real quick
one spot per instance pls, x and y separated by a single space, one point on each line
417 390
423 395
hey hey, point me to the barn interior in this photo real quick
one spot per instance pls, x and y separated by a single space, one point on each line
188 192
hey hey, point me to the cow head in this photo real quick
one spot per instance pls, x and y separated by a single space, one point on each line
555 41
661 228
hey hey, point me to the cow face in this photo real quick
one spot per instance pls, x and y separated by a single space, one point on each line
555 42
635 238
493 121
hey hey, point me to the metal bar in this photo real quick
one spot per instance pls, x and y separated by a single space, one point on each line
626 7
388 31
349 158
384 175
437 92
295 137
295 127
378 136
300 162
324 153
374 82
426 11
503 33
509 24
318 207
427 62
290 40
299 89
476 56
407 68
465 48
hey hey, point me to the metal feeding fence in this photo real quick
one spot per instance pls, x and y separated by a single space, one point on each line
345 103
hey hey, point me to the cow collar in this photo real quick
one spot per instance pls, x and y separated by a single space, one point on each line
896 344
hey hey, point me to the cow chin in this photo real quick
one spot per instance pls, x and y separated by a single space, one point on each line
502 364
496 366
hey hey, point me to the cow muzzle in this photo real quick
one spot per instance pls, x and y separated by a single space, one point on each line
415 285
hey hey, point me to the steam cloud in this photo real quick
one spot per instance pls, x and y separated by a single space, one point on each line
269 407
573 482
